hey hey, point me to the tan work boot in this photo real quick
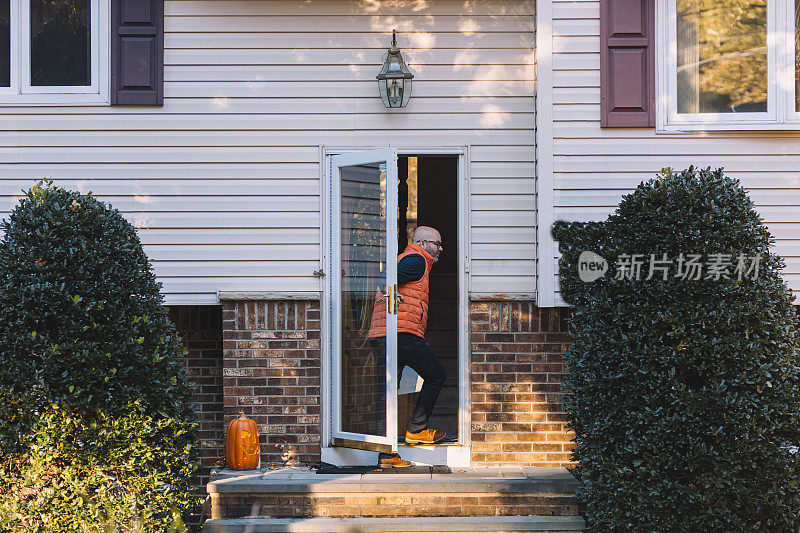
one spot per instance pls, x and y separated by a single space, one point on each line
394 461
426 436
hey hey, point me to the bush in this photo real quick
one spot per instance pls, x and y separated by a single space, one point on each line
97 431
683 393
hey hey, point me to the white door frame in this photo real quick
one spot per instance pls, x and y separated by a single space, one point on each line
451 455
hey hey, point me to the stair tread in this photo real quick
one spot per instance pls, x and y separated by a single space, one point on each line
300 480
439 524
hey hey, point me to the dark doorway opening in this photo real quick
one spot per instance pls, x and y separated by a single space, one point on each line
428 196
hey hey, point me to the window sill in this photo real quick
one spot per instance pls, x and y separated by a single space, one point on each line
671 129
54 99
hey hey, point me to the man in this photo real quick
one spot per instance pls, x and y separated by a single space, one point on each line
413 281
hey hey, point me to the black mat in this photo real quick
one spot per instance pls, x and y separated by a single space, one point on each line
326 468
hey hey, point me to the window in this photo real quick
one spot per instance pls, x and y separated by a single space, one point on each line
53 51
728 64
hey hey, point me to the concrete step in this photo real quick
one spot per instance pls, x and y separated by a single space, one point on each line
299 480
443 524
301 493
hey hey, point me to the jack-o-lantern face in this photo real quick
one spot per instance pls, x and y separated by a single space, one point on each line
249 442
242 447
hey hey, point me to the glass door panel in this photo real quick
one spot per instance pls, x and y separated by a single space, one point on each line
363 284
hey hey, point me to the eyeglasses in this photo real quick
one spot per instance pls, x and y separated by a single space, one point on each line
437 243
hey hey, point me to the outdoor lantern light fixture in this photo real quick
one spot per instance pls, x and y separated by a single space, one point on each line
394 80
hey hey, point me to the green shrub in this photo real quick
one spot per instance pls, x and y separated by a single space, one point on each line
97 431
684 393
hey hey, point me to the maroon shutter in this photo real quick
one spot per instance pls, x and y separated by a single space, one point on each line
137 52
627 63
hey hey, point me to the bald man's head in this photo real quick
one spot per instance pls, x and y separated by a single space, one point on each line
429 239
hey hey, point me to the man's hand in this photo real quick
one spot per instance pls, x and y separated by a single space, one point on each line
400 297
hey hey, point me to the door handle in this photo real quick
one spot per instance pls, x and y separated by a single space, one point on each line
396 299
389 295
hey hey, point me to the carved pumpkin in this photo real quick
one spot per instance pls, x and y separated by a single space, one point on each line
242 449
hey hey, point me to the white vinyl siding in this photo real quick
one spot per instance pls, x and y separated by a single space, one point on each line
594 167
223 182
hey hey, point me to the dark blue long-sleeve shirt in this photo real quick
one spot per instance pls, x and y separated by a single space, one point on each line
410 268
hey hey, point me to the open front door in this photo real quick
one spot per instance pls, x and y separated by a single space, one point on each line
364 271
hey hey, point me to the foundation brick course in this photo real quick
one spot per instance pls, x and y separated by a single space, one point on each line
516 398
399 504
271 372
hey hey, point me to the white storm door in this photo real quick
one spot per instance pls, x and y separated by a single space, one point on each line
364 271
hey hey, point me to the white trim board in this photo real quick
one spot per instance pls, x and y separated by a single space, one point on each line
545 244
465 252
267 295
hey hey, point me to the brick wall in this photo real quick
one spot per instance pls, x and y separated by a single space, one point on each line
271 372
516 373
398 503
200 328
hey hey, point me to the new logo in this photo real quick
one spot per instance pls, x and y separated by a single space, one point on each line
591 266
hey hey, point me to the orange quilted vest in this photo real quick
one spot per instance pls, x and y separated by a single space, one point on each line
412 313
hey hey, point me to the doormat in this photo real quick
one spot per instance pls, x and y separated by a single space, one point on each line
326 468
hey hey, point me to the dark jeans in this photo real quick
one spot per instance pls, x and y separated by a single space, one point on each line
416 352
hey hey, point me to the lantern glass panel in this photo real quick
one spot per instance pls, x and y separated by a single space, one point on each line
382 91
406 92
396 92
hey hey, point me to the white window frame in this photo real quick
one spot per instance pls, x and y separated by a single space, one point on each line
780 113
22 93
